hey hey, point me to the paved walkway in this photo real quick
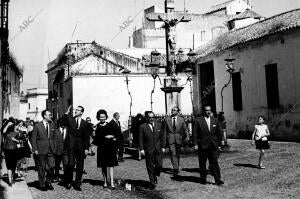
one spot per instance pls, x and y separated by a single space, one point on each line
19 190
280 179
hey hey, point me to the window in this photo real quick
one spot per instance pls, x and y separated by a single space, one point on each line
203 35
237 92
272 86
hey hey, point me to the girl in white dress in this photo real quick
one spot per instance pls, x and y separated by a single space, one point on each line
260 138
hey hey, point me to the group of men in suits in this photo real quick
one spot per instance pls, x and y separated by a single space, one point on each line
68 143
155 136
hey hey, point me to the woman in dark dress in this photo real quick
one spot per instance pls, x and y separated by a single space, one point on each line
10 149
106 141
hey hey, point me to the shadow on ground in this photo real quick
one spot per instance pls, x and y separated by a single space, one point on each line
34 184
192 170
142 189
93 182
5 179
167 170
245 165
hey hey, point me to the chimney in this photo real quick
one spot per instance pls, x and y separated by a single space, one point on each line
130 43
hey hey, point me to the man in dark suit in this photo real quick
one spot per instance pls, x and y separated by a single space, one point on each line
175 130
207 137
77 142
116 128
43 146
151 143
61 151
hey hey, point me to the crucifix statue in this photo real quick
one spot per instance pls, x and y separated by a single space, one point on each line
170 19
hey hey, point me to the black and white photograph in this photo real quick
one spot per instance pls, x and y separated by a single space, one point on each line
150 99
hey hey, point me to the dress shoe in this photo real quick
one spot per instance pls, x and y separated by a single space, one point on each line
176 172
43 189
68 186
152 186
49 186
202 181
219 183
112 188
77 188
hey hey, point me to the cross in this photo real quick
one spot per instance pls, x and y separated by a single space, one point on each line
170 19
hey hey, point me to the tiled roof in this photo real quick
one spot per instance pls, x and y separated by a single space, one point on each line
275 24
219 6
247 14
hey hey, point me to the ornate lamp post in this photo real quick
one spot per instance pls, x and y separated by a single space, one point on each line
189 72
170 87
154 70
230 69
130 137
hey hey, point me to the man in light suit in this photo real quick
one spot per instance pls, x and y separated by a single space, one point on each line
151 143
175 130
43 146
207 137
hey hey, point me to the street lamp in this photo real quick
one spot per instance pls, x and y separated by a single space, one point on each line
189 72
126 72
154 71
230 69
180 59
229 65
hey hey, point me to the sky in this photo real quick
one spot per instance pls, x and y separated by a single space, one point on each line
39 29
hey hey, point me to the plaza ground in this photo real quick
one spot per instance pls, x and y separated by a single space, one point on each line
280 179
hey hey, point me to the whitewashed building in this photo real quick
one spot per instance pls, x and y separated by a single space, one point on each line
266 77
32 103
90 75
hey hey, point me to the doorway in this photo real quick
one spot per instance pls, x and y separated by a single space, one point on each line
207 85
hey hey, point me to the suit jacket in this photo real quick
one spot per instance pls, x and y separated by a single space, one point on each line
74 135
39 139
205 137
151 141
59 142
116 130
180 132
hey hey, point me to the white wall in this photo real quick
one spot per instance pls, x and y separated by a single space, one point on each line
282 49
110 93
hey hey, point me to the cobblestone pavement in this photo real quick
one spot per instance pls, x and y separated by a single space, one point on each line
280 179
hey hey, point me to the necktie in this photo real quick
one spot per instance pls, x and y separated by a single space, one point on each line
77 123
152 127
47 130
174 124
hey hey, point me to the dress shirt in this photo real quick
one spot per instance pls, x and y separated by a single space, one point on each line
46 124
78 121
207 119
63 132
151 126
